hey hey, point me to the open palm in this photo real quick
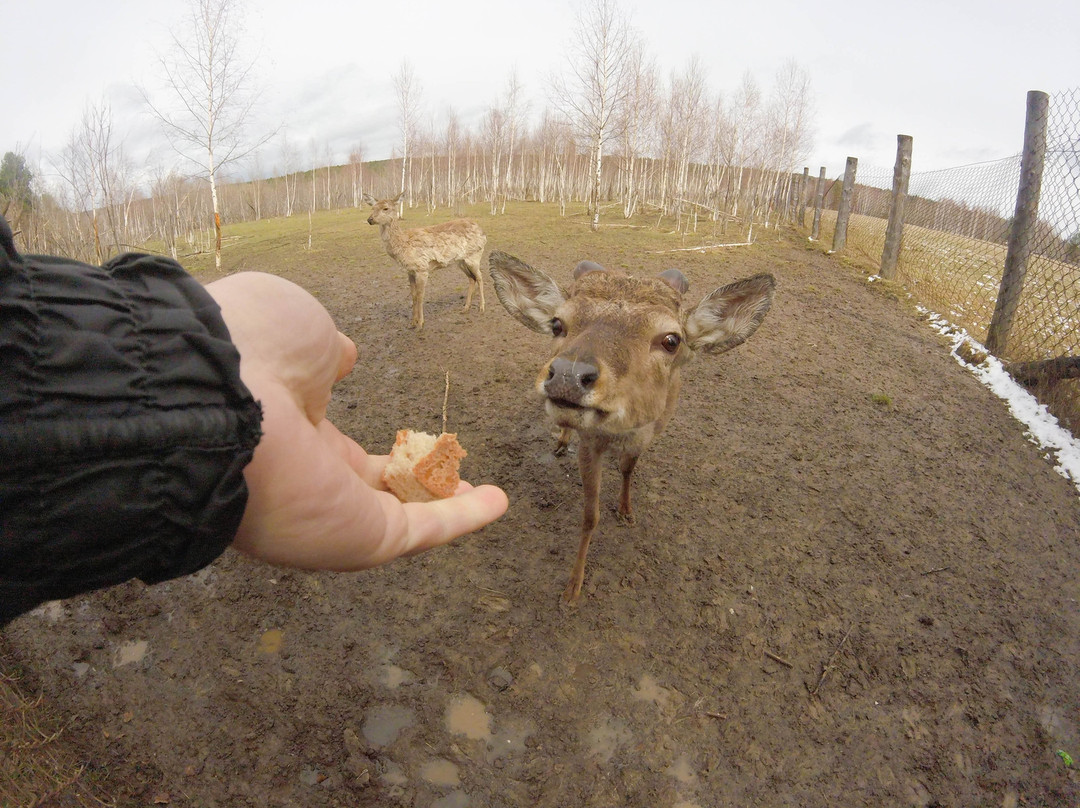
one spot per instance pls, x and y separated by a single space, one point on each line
315 499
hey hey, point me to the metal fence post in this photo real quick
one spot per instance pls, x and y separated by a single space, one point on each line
1023 223
843 210
816 230
894 231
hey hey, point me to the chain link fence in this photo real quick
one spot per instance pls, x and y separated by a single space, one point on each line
957 225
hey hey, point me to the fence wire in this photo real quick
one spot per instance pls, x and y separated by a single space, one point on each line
956 231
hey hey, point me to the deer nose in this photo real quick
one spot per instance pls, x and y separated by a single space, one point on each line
369 220
570 379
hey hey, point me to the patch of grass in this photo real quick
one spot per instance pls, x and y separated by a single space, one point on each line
37 765
881 400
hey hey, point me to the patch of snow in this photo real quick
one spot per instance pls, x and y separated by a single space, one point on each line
1043 429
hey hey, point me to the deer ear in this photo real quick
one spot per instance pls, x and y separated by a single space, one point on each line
397 198
585 267
369 199
728 316
530 295
676 280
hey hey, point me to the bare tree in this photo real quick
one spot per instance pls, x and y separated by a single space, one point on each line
745 127
291 161
515 113
453 138
639 113
594 93
92 168
209 83
790 118
356 167
408 94
494 133
686 101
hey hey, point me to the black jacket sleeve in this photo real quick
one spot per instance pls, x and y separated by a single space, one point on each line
124 425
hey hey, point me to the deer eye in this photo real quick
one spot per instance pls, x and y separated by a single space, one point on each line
557 327
671 342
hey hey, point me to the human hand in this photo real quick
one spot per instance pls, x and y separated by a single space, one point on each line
315 497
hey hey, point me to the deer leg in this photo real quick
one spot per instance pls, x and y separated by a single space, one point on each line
589 466
564 441
478 274
472 282
419 283
412 294
627 463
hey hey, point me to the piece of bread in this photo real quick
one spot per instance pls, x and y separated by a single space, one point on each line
423 467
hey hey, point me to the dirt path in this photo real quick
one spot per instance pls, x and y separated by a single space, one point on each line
852 581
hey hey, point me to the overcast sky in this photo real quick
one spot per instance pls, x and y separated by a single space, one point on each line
951 73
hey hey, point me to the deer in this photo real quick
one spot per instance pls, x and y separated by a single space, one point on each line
421 250
618 346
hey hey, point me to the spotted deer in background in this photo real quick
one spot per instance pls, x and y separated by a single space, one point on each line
619 344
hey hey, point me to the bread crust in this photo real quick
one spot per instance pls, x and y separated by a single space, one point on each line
423 467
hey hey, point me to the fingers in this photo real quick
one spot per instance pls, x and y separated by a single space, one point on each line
347 358
414 527
432 524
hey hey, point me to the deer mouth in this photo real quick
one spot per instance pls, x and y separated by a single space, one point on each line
571 414
566 404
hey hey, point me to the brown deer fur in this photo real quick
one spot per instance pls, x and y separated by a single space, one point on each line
619 345
423 249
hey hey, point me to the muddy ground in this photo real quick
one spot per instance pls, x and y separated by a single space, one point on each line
852 581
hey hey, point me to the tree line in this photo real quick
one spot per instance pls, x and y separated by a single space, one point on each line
618 138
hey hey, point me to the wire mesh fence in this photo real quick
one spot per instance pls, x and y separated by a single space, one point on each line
957 225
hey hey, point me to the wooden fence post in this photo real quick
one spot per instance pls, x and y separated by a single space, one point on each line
843 210
816 230
1023 223
804 198
894 231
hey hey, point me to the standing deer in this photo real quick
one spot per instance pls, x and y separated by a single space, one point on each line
423 249
619 344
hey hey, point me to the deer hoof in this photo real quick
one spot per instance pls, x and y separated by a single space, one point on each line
625 519
560 450
572 594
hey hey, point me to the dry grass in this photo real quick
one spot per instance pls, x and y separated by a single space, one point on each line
958 278
38 766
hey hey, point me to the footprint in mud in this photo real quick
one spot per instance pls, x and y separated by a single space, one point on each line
441 772
384 722
466 715
605 739
130 653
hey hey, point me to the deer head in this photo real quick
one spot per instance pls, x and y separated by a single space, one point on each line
619 341
618 344
383 211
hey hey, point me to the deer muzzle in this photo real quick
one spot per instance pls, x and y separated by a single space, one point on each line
569 381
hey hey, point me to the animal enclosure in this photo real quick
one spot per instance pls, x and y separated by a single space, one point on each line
851 578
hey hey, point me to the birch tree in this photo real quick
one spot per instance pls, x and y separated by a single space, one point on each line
686 99
594 92
638 114
91 166
451 138
356 171
209 86
515 114
745 128
790 119
408 94
493 128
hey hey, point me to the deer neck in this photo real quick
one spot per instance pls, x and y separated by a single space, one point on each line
392 237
